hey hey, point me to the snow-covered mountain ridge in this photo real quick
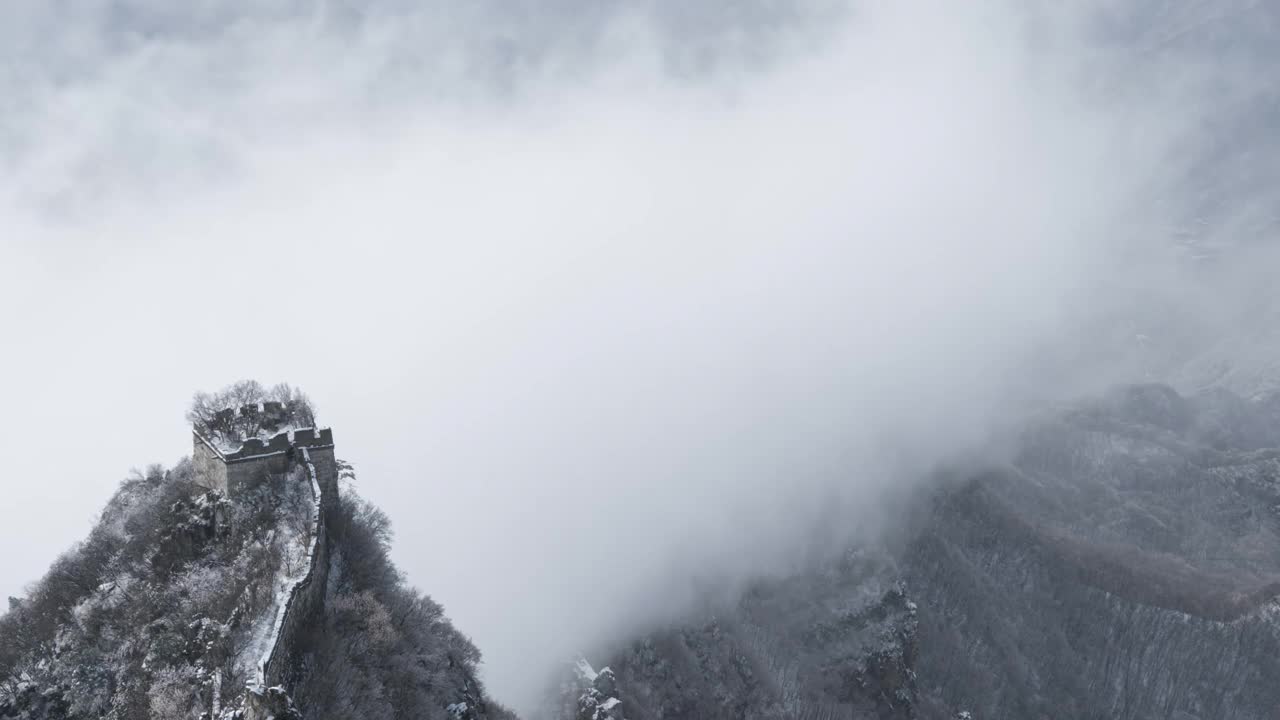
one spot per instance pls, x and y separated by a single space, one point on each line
276 601
1126 564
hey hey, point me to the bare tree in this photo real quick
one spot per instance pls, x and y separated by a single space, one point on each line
217 414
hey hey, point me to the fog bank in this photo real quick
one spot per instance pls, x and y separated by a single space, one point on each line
605 302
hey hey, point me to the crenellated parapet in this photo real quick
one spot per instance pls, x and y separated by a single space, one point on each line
282 442
265 410
230 425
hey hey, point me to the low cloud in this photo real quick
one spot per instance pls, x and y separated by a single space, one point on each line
604 305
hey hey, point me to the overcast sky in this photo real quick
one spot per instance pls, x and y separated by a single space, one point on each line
603 300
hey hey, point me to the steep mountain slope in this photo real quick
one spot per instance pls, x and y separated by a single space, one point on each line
837 642
166 610
1125 565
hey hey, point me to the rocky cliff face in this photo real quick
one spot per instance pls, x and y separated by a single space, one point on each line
1125 565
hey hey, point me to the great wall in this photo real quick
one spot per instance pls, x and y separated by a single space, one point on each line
235 468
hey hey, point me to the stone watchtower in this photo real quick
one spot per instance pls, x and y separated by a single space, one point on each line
244 446
238 450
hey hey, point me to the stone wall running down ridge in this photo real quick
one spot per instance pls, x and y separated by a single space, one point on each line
306 598
312 452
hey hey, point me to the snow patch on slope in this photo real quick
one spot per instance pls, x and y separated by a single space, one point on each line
295 567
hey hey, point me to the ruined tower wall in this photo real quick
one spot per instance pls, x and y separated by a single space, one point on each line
326 466
244 475
235 472
210 470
